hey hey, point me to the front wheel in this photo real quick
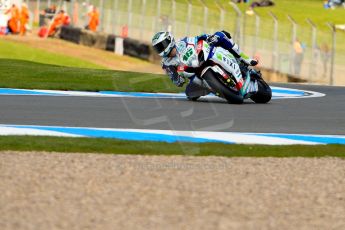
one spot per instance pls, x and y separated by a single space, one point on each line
264 93
220 89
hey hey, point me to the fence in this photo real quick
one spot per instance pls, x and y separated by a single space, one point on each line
288 47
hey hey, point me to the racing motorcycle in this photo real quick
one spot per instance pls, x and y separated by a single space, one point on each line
221 73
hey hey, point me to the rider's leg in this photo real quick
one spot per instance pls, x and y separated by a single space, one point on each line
196 89
225 41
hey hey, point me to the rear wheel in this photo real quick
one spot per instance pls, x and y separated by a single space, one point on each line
221 90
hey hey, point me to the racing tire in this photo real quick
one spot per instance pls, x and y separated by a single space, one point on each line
193 98
264 93
232 96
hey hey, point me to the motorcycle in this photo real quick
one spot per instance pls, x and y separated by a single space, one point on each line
221 73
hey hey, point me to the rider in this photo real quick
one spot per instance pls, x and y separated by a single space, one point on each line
164 44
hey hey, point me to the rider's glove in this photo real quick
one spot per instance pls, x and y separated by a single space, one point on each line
174 75
250 62
254 62
213 39
180 81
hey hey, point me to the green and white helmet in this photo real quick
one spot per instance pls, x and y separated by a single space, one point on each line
163 42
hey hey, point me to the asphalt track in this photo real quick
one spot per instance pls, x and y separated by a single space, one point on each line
321 115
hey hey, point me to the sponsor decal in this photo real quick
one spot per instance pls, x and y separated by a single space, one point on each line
188 54
219 56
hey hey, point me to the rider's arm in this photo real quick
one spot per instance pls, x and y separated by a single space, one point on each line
185 71
175 77
202 37
224 40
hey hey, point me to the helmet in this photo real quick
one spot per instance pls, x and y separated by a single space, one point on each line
163 42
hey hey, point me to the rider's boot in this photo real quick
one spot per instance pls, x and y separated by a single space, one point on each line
235 50
247 60
196 88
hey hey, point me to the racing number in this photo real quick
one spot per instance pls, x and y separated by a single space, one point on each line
188 54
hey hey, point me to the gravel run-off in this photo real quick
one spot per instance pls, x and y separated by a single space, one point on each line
99 191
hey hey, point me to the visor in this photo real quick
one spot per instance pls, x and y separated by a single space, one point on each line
160 47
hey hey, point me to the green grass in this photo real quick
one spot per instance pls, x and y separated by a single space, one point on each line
302 9
25 67
13 50
112 146
32 75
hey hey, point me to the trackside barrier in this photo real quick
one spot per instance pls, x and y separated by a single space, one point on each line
111 39
135 48
70 33
101 41
119 45
115 44
87 38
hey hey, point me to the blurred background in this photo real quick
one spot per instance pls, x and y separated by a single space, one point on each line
304 39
